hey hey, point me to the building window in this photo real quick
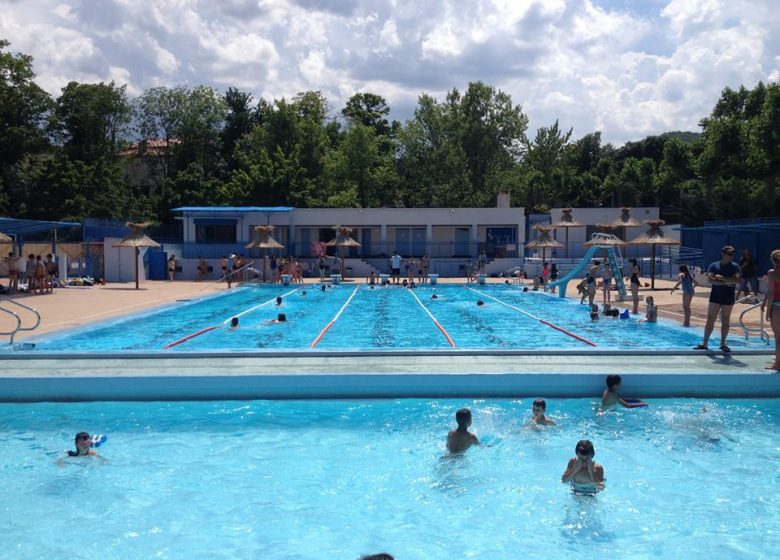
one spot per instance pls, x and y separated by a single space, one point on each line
215 233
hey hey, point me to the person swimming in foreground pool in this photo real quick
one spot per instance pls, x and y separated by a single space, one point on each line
83 449
460 439
234 323
585 475
538 409
612 395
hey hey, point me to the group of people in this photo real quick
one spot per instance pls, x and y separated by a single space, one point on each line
416 269
36 276
584 475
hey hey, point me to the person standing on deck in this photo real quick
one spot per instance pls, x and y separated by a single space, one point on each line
724 276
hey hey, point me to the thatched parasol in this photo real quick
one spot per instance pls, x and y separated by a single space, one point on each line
137 239
605 240
654 236
4 238
342 239
625 219
543 241
263 240
567 222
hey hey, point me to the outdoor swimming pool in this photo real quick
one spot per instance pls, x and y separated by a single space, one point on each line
337 479
381 318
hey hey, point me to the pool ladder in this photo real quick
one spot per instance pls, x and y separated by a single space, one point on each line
16 316
763 335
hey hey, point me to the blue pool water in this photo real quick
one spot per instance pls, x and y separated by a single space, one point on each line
391 318
337 479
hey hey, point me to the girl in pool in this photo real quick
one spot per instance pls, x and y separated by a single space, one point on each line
83 449
688 284
584 475
772 304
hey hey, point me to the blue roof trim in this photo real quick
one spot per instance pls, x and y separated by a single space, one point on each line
234 209
19 226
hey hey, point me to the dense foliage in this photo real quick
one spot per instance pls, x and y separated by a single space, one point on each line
79 155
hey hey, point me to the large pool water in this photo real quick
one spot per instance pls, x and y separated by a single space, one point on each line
338 479
381 318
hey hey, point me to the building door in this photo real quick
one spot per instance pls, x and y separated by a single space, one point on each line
462 242
418 242
402 236
365 242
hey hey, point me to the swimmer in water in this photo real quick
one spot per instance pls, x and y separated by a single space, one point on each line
281 318
234 323
460 439
538 409
480 303
83 449
279 301
584 475
612 395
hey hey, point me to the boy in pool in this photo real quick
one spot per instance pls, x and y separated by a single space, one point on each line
538 409
651 315
584 475
612 395
460 439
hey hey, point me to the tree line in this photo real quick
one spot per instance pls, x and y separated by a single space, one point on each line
69 158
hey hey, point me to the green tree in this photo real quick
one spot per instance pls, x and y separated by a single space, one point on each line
91 120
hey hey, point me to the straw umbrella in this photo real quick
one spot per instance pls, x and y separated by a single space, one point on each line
567 222
263 240
543 241
654 236
342 239
136 239
625 219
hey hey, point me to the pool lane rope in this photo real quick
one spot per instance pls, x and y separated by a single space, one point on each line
335 318
548 323
435 321
225 322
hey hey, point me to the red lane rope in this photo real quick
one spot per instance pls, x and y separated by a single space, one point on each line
548 323
335 318
435 321
189 336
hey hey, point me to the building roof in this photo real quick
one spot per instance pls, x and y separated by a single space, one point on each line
232 209
16 226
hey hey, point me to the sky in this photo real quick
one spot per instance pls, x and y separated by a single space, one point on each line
626 68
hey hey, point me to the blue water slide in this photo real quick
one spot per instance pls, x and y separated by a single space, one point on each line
617 272
561 283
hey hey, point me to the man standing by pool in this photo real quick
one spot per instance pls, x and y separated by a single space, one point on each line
395 267
723 276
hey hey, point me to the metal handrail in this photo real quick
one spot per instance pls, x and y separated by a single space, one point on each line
763 335
18 323
20 327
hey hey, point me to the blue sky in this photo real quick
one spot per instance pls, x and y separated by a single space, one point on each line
625 68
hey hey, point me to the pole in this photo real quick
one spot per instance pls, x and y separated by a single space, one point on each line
652 277
567 242
137 255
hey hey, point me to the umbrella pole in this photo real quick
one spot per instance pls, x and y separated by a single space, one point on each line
137 254
265 258
652 271
567 243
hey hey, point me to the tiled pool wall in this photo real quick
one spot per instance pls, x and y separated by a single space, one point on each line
329 375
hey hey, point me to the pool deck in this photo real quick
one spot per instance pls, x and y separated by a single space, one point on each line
28 377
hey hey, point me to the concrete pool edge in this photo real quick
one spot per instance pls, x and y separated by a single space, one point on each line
143 377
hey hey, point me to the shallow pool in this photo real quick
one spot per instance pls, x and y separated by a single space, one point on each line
337 479
360 318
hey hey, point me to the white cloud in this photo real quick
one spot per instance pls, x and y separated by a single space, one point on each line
627 72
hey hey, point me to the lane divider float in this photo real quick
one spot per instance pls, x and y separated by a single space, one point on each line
548 323
335 318
435 321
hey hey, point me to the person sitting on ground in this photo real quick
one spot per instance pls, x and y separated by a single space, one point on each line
460 439
594 312
651 315
612 395
610 311
538 409
584 475
372 278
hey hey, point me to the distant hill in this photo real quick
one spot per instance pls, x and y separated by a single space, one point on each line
681 135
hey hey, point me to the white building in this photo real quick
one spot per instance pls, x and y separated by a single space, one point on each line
449 236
